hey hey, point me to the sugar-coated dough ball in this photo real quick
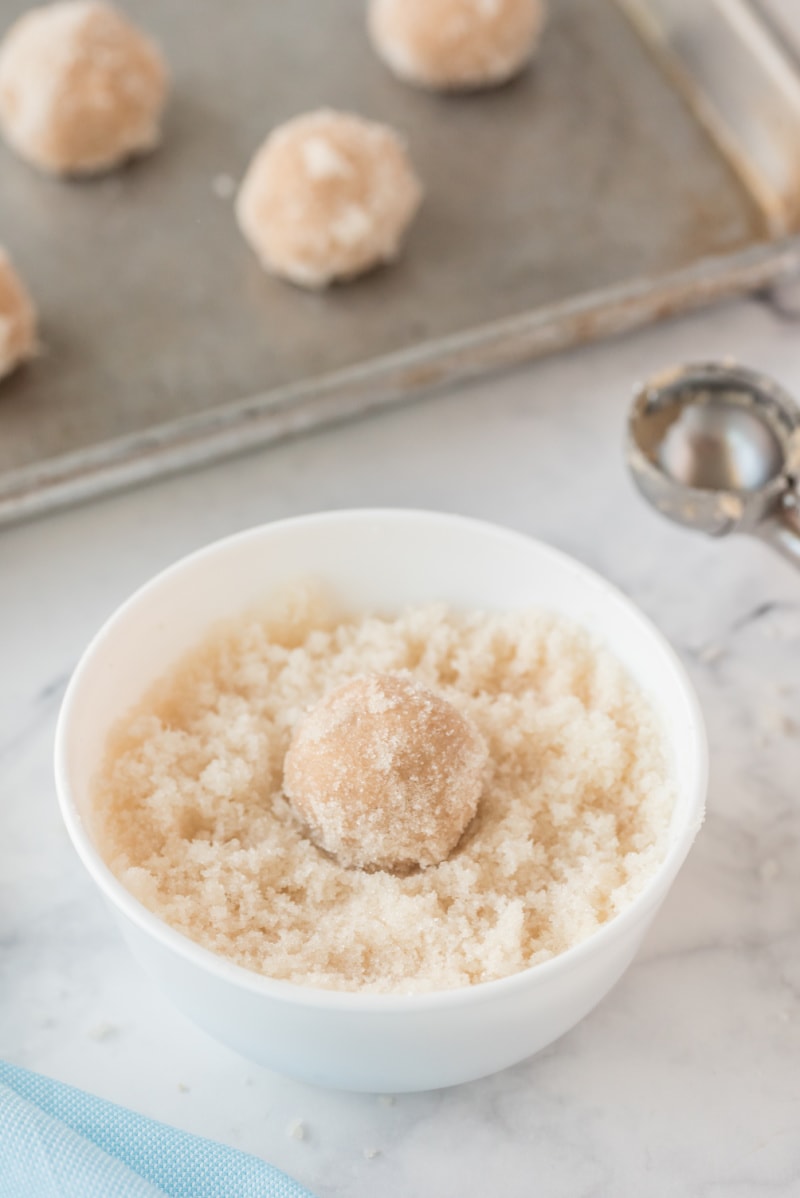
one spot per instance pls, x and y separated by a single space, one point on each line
81 89
17 319
327 196
385 773
456 44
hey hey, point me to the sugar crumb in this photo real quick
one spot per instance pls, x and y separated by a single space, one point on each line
183 1088
371 1153
103 1031
223 186
297 1130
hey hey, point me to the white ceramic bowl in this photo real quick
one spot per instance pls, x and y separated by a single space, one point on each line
384 560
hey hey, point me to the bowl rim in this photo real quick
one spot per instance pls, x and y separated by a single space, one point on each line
296 994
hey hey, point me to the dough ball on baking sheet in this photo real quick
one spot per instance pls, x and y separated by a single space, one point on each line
327 196
81 89
456 44
17 319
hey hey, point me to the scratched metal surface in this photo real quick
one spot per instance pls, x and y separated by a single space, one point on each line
784 16
547 202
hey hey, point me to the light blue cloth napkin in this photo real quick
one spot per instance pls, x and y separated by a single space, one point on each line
58 1142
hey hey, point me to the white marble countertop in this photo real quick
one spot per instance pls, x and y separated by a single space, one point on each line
685 1081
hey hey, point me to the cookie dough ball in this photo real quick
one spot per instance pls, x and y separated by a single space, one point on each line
17 319
327 196
385 773
80 88
456 44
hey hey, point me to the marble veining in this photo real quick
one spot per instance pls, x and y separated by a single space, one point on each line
685 1081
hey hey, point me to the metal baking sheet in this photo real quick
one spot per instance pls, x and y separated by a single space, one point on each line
782 16
581 200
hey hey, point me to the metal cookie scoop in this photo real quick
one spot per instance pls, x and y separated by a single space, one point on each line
716 447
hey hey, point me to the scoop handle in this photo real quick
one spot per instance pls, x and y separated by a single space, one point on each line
782 529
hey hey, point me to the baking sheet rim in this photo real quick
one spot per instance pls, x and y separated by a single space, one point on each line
267 417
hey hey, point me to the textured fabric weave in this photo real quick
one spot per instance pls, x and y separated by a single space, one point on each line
58 1142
